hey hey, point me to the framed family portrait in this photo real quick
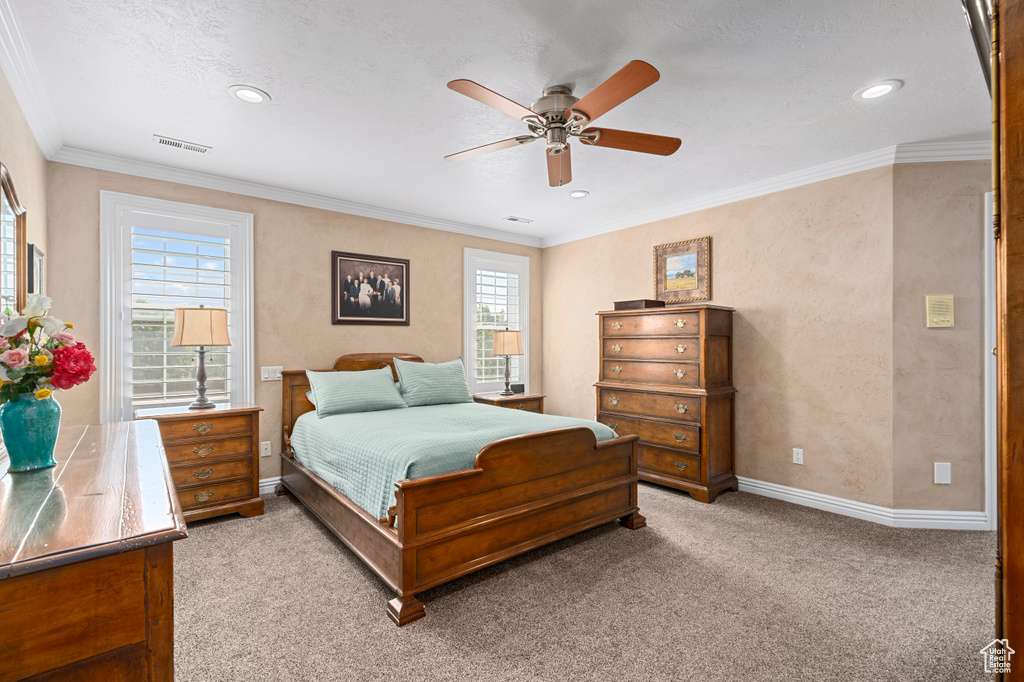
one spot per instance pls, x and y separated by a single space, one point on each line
369 289
682 271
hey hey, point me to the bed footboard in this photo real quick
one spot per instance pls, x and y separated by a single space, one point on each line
524 492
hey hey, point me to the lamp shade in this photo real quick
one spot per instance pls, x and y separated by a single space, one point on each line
508 343
200 327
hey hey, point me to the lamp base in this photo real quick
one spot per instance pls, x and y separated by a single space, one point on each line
203 404
507 391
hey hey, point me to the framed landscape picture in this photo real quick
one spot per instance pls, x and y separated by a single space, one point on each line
682 271
369 289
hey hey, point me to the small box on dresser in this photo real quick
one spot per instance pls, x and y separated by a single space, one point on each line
213 455
666 375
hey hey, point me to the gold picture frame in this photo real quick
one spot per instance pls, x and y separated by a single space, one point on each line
682 271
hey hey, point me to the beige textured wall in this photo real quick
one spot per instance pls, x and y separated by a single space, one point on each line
938 416
809 271
26 164
292 283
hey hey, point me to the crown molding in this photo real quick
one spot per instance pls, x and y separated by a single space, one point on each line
933 152
26 84
117 164
917 152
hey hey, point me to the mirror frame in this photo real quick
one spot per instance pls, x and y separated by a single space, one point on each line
20 239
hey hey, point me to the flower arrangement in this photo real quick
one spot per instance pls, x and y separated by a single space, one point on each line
38 353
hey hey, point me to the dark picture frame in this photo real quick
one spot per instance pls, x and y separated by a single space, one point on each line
682 271
36 270
375 303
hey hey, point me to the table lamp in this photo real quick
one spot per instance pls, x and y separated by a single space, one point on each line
507 343
201 327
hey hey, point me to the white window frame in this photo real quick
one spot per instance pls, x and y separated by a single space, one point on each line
115 295
478 259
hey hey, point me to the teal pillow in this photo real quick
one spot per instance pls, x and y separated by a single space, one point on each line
425 383
362 391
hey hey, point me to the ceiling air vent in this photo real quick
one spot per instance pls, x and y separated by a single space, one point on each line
181 144
517 219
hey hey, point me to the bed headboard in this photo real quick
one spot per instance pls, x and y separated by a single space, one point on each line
295 383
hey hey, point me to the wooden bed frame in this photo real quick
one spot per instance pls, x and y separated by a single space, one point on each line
523 493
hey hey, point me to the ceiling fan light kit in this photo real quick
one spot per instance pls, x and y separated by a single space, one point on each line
558 116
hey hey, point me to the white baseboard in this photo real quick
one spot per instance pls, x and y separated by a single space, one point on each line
899 518
267 485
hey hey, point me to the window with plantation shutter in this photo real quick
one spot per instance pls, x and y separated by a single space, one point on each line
496 297
158 255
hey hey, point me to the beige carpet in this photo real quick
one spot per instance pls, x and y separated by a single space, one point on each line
747 588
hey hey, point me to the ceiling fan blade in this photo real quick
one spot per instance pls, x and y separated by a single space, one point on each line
492 147
630 141
627 81
492 99
559 168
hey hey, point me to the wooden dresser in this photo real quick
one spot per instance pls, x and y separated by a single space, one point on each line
213 456
86 575
666 375
531 402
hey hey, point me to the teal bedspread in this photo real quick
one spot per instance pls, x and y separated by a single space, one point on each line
363 454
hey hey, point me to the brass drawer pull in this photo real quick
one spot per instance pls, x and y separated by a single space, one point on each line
680 373
616 369
616 326
680 348
203 495
614 400
680 437
613 426
681 409
681 465
202 451
680 323
202 428
521 406
202 472
617 348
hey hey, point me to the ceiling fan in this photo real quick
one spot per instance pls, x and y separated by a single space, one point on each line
558 115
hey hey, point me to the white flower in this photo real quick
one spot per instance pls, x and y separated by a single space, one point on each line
14 326
37 305
51 325
3 374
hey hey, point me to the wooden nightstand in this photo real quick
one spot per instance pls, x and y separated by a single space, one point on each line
531 402
214 457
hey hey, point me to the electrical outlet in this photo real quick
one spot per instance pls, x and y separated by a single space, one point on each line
943 473
265 448
271 373
798 455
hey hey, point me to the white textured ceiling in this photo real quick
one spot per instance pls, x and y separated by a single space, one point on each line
360 110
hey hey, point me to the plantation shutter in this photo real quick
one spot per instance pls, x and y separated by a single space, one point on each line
172 269
497 307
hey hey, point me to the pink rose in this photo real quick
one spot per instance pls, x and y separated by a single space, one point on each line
15 358
64 338
4 343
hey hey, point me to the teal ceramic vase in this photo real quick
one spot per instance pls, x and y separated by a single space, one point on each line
29 428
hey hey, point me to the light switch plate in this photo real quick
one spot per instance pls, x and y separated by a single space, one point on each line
271 373
943 473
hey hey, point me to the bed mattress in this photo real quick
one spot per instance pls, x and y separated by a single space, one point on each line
363 454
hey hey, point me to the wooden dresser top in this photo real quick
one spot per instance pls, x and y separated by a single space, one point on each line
110 492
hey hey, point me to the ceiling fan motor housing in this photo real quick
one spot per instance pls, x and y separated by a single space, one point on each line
552 106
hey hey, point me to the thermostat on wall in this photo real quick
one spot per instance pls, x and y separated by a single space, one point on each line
938 311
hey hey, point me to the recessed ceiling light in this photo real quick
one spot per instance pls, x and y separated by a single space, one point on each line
579 193
249 94
880 89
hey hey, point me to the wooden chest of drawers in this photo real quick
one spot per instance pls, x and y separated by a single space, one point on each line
666 375
532 402
213 456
